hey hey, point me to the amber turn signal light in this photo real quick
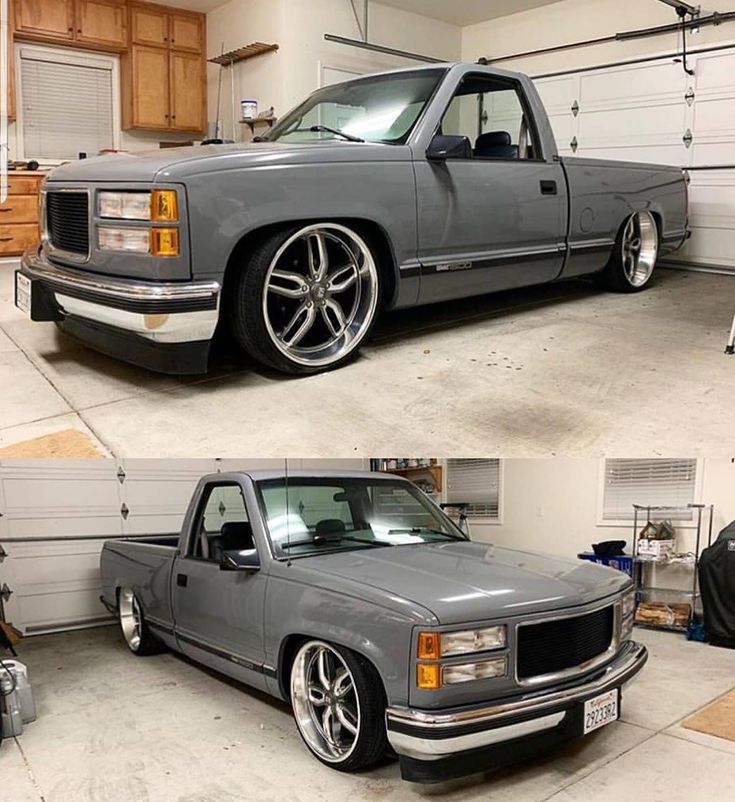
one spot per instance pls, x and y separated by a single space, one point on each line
428 648
165 241
164 206
428 676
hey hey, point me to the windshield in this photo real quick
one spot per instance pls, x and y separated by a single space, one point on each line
326 515
382 108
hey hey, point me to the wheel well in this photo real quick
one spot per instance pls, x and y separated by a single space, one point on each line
290 646
659 225
375 236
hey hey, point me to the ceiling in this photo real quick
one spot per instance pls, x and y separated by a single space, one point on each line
466 12
196 5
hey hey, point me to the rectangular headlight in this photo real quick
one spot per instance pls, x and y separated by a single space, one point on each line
135 240
124 205
473 640
487 669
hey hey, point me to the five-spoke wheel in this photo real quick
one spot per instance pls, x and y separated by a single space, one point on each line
337 703
317 291
634 259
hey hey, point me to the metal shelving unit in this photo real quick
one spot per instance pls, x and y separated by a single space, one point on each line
703 515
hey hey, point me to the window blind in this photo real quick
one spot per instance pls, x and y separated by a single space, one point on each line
67 107
668 483
477 483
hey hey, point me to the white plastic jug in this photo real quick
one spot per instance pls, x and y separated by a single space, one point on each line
22 688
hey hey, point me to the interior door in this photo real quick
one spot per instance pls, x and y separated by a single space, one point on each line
219 614
497 218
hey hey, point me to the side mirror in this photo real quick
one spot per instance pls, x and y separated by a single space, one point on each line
246 560
443 148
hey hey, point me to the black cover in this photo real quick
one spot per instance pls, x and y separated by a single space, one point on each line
717 584
610 548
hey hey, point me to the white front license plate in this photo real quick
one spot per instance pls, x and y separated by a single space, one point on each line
23 293
600 711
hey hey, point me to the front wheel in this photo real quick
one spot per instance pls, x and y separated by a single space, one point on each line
339 707
634 259
307 299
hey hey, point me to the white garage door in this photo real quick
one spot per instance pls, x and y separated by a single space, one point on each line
56 515
653 111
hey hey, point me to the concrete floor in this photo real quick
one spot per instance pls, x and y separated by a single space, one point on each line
556 369
116 728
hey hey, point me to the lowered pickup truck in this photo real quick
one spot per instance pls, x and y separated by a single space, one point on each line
354 597
392 190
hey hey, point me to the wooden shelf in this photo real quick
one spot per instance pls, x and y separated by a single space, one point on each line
253 124
243 54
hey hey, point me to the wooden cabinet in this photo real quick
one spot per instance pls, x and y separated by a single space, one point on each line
187 98
95 24
145 82
19 213
11 62
163 74
49 19
102 22
149 25
187 32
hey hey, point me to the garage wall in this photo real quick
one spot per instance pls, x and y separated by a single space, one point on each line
298 26
553 505
56 515
637 112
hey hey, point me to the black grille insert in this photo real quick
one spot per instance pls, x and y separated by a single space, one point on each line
551 646
67 218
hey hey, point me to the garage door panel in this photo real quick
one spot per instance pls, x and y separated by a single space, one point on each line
641 83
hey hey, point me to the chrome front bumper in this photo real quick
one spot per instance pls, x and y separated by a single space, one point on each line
160 312
427 735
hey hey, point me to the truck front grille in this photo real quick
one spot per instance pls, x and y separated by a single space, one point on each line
67 220
557 645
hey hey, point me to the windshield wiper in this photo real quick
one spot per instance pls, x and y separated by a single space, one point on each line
315 129
336 542
417 530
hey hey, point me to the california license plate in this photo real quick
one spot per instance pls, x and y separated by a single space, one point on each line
600 711
23 293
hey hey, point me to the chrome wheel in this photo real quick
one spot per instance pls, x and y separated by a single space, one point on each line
131 619
325 702
640 248
320 294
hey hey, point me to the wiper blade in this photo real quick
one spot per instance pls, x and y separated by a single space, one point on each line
417 530
334 542
315 129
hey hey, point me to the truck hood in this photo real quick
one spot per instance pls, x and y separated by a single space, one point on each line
463 582
174 164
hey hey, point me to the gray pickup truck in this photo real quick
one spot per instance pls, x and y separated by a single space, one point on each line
404 188
354 597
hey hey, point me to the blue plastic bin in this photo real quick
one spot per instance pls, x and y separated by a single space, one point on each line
622 563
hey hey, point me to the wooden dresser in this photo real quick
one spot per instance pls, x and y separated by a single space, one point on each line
19 213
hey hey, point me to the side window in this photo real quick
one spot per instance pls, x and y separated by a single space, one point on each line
491 114
222 524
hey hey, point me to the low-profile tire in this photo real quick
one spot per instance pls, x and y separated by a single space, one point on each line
134 628
339 706
307 299
633 261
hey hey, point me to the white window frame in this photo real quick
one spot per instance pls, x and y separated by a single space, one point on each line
480 519
76 58
628 524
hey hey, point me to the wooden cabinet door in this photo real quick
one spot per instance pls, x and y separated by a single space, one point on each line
149 25
11 62
187 32
102 22
51 19
187 92
149 93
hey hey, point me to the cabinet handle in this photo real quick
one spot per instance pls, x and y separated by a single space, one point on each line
8 209
6 239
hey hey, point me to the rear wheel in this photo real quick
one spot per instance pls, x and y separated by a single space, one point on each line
339 707
134 628
634 259
307 299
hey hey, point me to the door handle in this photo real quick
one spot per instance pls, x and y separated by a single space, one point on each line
549 188
182 580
